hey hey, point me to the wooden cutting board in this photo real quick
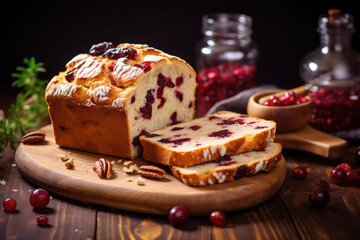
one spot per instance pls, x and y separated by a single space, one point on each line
311 140
41 164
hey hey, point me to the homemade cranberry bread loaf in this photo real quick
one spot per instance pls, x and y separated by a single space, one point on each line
228 168
106 99
206 139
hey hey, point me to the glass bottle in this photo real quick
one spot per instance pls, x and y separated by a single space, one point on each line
332 72
225 58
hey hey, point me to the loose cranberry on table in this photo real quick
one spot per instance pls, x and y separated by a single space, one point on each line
178 215
218 218
220 82
9 205
353 177
40 198
289 98
344 166
319 197
299 172
42 220
338 176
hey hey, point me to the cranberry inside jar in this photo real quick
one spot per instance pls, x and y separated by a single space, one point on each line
226 59
221 82
335 109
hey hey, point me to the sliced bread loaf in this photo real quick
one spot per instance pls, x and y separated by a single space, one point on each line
206 139
228 168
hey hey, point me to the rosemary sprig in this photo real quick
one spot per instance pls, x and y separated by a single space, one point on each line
30 107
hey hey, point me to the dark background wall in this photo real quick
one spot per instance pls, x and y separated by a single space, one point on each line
55 31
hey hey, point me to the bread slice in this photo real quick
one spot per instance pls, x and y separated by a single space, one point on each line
228 168
206 139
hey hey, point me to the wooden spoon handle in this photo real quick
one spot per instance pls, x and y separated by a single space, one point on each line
299 90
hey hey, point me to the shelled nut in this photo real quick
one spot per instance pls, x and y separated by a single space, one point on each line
103 168
33 137
151 171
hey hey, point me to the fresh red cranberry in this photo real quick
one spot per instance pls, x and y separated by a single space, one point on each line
179 81
195 127
9 205
116 53
100 48
289 98
146 66
323 184
221 134
338 176
218 219
70 76
222 81
42 220
178 215
344 166
353 177
319 197
299 172
39 198
179 95
335 109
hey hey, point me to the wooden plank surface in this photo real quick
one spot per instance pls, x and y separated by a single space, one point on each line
67 219
287 215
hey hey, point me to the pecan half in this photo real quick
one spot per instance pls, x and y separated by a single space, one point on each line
151 171
103 168
33 137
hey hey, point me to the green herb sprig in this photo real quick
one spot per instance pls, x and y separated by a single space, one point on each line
30 107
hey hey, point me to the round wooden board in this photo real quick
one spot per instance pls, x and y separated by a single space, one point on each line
41 164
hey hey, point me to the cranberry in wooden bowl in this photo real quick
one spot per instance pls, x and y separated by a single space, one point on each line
288 118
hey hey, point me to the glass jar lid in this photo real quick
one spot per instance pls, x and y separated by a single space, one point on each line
226 25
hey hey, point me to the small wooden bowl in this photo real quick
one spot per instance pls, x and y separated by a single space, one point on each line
287 118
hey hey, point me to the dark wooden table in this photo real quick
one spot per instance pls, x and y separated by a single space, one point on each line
287 215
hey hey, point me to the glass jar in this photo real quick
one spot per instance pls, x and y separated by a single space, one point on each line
333 74
225 59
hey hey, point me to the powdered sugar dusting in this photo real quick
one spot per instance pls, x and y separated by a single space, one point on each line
63 90
152 58
89 68
101 94
124 72
118 103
